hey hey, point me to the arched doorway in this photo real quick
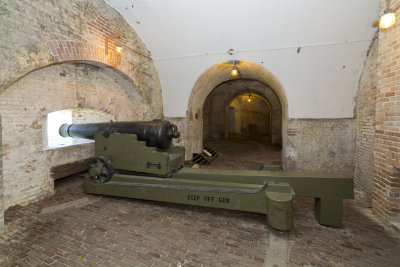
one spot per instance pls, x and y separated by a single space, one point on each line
255 107
248 116
242 121
220 74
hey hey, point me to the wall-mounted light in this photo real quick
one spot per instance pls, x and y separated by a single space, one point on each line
118 48
234 71
249 100
388 19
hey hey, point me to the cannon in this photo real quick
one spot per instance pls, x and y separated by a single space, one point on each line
137 160
136 146
156 133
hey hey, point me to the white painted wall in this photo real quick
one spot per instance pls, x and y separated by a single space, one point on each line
186 37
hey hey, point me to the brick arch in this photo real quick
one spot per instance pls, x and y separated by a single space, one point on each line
130 76
216 75
67 50
86 43
63 51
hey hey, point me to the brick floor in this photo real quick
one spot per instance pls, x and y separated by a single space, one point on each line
363 240
243 154
111 231
114 231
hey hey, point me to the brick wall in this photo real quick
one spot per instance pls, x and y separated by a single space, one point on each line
1 186
38 33
365 112
24 106
321 145
318 145
386 195
181 124
53 58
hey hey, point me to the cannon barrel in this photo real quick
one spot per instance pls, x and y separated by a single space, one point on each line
156 133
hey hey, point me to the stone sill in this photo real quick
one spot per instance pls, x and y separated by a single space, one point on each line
67 146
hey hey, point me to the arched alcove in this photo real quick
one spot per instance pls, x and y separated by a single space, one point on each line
216 75
44 45
96 92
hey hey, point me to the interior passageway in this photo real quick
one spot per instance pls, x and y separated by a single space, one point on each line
242 122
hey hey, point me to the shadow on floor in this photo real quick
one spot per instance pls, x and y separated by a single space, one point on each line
242 153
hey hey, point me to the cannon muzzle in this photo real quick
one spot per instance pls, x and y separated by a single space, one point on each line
156 133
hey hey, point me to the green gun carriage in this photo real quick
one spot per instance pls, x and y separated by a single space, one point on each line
136 160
